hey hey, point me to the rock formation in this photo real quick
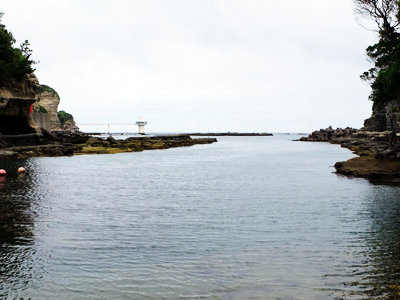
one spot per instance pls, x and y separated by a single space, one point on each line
377 142
379 153
328 134
19 135
384 117
15 101
48 98
24 89
70 126
134 144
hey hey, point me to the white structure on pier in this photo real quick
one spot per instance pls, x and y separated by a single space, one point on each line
141 124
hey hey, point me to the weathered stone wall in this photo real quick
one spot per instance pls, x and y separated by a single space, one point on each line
43 120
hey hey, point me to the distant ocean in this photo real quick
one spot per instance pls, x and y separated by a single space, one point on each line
244 218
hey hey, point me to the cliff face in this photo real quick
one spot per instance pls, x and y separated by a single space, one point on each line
70 125
384 117
15 100
49 99
24 89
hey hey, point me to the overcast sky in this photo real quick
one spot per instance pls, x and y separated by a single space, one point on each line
199 65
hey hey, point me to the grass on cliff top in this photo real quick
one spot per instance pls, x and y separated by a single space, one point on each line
64 117
46 88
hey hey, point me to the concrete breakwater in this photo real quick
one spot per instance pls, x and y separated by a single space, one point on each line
379 153
62 146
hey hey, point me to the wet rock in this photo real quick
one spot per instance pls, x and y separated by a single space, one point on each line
111 140
73 137
328 134
134 144
379 159
8 154
42 150
386 153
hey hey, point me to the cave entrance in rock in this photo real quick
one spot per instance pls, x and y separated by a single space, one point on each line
13 125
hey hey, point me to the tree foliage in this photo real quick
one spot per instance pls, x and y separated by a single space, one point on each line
15 63
64 117
384 77
40 109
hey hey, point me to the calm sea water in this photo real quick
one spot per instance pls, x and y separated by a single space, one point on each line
244 218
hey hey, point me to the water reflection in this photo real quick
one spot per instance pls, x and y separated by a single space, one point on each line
380 275
88 228
16 229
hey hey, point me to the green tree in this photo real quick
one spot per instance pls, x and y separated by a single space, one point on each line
64 117
15 63
384 77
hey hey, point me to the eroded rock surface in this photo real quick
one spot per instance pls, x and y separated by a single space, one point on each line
328 134
379 155
111 146
15 101
49 99
385 117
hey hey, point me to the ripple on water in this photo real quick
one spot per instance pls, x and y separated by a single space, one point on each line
245 218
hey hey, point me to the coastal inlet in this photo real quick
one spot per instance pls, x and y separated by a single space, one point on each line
244 218
67 143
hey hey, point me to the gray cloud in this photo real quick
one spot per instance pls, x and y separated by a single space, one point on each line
194 65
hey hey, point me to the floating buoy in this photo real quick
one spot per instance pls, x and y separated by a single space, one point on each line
2 172
21 170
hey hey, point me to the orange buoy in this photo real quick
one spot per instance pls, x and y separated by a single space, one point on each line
2 172
21 170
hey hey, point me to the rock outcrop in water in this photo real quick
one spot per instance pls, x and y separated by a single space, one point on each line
135 144
326 135
19 135
101 146
231 134
379 156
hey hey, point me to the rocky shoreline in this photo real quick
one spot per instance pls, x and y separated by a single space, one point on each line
67 144
136 144
230 134
379 157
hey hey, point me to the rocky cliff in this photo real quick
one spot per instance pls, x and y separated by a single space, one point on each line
23 89
48 98
19 135
15 101
384 117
